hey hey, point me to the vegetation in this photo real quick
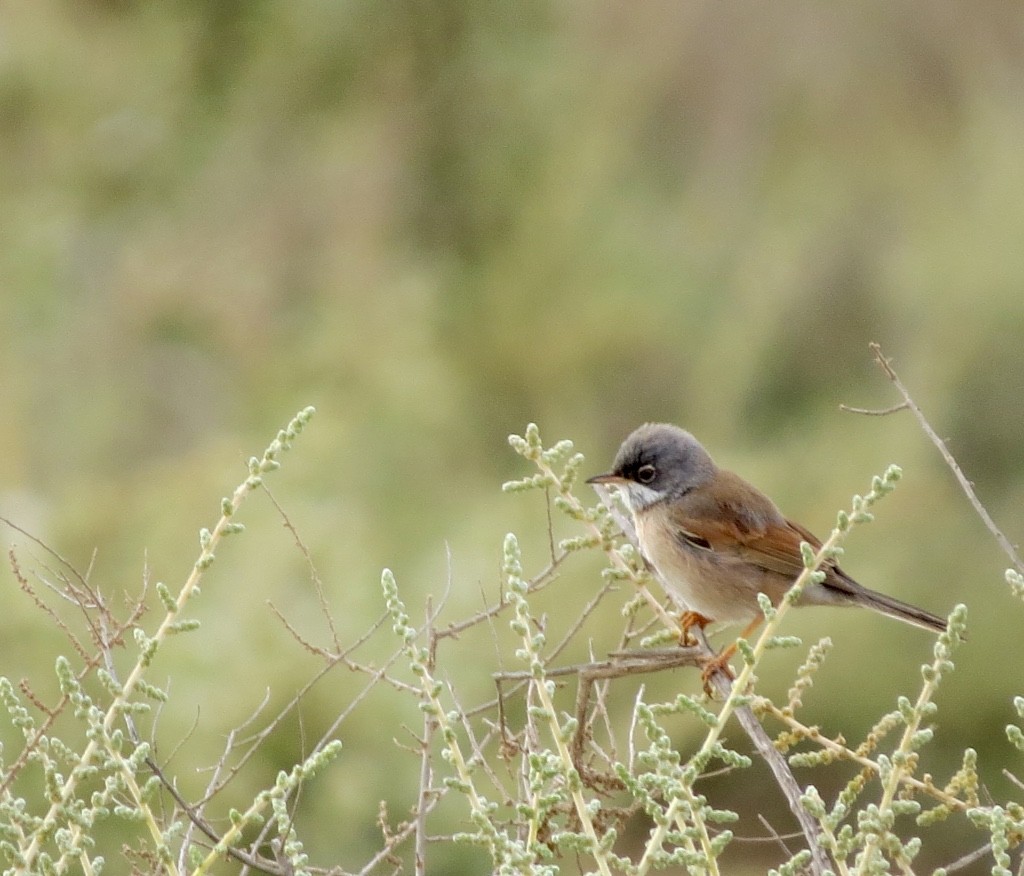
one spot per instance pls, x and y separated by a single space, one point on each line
437 223
541 783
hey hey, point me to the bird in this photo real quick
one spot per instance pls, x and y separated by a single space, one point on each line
717 541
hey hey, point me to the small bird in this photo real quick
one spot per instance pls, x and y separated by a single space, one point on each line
717 541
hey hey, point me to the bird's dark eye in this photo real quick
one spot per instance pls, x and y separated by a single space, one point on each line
646 473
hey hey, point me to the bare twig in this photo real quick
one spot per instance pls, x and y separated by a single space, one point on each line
538 582
600 713
1014 779
393 841
627 663
870 412
620 665
522 679
965 484
314 574
775 837
196 812
631 741
109 637
969 859
588 609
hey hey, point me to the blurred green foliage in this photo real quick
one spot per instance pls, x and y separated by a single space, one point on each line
438 221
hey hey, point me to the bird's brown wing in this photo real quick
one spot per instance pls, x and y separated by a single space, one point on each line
734 519
747 525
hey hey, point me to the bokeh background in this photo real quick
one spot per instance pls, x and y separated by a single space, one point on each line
437 222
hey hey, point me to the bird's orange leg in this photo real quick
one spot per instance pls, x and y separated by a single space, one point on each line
721 660
687 621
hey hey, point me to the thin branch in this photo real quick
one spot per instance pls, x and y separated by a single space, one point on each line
621 664
90 663
775 837
538 582
1013 779
969 859
600 713
394 840
965 484
522 679
588 609
630 663
314 573
870 412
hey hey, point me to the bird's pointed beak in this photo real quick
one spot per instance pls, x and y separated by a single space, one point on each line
610 478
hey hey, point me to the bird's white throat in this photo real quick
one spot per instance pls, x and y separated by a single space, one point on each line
639 497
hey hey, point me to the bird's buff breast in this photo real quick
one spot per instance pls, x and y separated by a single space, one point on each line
722 588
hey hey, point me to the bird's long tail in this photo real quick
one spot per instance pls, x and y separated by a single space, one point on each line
903 611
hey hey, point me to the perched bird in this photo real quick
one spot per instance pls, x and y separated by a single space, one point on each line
717 541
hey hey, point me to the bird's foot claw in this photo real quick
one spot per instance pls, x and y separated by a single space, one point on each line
718 663
687 621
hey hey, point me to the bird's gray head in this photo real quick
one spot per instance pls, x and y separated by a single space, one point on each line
656 462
